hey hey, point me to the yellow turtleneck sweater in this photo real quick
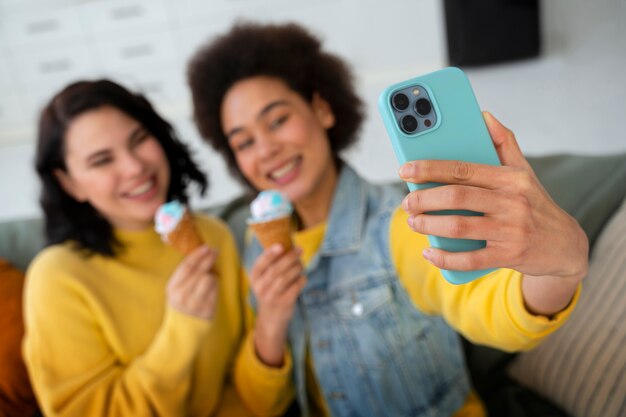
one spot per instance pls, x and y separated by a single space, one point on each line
102 340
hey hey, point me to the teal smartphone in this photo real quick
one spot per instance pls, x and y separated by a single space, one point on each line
436 116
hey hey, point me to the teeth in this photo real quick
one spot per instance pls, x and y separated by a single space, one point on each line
284 170
141 189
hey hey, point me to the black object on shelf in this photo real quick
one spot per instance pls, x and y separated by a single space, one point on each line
484 32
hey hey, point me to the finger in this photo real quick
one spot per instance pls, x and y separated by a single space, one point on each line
198 288
273 276
199 299
267 258
284 263
294 290
207 262
280 264
458 227
204 286
457 172
189 265
506 145
287 297
192 262
190 286
488 257
454 197
281 283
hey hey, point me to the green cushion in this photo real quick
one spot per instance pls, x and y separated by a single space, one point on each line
20 240
590 188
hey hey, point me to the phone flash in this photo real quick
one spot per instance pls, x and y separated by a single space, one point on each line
416 92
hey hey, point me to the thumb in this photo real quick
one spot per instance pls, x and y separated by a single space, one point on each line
506 145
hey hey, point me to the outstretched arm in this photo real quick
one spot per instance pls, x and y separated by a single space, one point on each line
524 228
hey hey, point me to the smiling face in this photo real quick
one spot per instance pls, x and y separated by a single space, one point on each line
116 165
279 139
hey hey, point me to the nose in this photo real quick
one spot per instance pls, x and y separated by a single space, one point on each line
131 164
267 146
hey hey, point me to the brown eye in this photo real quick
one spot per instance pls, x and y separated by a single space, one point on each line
100 161
279 122
244 144
139 137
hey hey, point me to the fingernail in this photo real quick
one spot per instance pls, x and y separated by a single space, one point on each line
405 203
410 221
428 254
406 171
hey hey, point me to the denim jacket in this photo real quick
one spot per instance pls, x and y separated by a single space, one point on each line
373 352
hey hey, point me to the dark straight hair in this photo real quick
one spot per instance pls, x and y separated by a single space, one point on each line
67 219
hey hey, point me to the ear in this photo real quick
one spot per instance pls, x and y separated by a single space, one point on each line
323 111
69 185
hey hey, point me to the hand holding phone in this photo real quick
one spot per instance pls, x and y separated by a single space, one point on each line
522 227
436 117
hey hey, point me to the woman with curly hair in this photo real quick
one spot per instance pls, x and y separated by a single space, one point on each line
371 329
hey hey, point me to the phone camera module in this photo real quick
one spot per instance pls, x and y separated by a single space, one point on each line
414 109
409 124
400 101
423 107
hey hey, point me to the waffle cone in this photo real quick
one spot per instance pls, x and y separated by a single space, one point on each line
185 238
274 231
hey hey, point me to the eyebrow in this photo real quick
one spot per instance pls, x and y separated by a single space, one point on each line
262 113
135 133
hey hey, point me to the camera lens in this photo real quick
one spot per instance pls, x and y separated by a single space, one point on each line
400 101
409 124
423 107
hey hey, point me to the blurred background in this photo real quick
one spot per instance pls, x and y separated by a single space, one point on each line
551 70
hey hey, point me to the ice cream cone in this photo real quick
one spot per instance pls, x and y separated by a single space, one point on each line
185 237
273 231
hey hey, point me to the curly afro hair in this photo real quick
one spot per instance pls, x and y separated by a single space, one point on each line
284 51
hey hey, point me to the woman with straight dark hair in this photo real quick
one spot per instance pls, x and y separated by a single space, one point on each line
117 321
371 329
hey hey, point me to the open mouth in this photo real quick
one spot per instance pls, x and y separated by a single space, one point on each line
142 190
286 171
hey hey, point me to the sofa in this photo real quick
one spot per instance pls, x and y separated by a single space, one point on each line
590 188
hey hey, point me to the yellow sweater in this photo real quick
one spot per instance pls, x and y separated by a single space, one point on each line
101 339
488 311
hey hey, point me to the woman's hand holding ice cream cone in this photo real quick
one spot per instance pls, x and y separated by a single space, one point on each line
276 280
192 289
276 277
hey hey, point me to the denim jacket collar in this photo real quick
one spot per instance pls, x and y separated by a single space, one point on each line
347 215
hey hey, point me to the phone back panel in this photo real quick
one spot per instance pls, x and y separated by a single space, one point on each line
459 133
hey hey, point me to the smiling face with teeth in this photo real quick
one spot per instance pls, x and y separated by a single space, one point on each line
280 141
113 163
